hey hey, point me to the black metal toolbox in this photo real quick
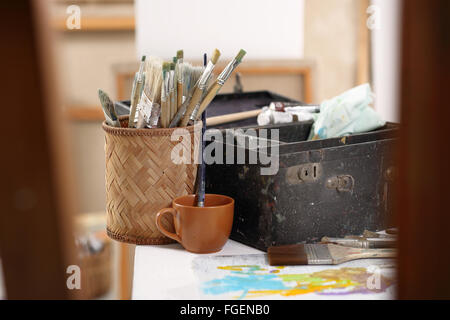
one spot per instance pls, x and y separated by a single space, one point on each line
332 187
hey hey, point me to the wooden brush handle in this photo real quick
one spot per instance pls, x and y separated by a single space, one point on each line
342 254
164 114
194 100
134 102
173 106
179 95
212 92
232 117
378 253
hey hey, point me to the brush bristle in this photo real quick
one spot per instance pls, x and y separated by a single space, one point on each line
172 66
174 59
240 55
166 66
143 58
180 54
215 56
290 255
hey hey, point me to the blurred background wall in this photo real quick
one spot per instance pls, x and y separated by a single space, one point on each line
266 29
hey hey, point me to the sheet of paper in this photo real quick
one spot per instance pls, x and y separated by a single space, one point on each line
241 272
250 276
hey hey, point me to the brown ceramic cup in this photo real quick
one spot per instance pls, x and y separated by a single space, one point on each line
200 229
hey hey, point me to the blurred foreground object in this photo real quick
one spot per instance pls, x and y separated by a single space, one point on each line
36 243
423 206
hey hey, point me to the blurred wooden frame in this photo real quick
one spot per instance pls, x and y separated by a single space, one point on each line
98 24
38 196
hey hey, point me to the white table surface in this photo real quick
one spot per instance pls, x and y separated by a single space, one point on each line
165 272
159 271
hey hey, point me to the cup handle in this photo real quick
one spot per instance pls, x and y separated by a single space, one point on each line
161 228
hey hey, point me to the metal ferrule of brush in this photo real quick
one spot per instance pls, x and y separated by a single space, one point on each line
171 81
179 114
167 85
138 88
140 73
193 116
205 75
164 91
364 243
180 71
226 73
135 86
318 254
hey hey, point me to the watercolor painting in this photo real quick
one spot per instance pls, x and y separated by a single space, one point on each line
250 276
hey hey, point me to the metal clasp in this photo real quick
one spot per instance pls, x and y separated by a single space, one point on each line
344 183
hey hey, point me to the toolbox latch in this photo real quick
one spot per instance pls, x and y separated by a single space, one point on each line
308 172
343 183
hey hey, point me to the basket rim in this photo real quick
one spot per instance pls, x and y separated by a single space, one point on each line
125 131
138 240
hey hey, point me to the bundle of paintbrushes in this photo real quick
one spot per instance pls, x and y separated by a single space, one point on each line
168 94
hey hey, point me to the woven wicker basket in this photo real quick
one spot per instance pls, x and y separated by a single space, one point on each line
141 179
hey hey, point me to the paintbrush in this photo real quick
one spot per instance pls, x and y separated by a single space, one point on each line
109 110
202 169
199 88
138 86
180 78
191 76
361 242
372 234
220 81
165 95
148 108
304 254
172 85
173 109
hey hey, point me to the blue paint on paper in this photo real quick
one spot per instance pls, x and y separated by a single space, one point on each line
233 283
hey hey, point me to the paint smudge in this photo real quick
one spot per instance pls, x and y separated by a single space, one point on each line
253 281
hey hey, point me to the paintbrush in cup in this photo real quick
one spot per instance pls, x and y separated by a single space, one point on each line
200 198
180 78
172 86
215 88
191 76
138 86
200 88
165 95
148 108
109 110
